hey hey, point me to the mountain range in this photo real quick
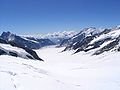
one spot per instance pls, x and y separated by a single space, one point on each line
90 39
29 43
95 40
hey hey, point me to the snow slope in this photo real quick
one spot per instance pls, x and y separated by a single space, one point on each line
61 71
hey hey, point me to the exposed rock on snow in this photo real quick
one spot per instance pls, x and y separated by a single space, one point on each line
90 39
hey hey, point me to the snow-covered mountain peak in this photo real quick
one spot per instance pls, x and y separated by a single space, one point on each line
90 31
8 36
86 32
60 34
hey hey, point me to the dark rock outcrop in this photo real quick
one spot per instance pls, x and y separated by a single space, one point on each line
30 51
3 41
2 52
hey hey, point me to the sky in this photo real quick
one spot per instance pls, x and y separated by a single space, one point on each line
43 16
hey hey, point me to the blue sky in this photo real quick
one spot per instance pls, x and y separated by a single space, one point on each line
43 16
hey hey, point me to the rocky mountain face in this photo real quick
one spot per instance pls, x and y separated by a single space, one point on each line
29 42
17 46
92 39
80 39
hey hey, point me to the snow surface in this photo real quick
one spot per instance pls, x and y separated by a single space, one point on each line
61 71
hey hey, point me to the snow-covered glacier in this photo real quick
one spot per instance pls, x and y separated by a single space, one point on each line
61 71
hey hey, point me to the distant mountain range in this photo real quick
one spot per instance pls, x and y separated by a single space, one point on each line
56 37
